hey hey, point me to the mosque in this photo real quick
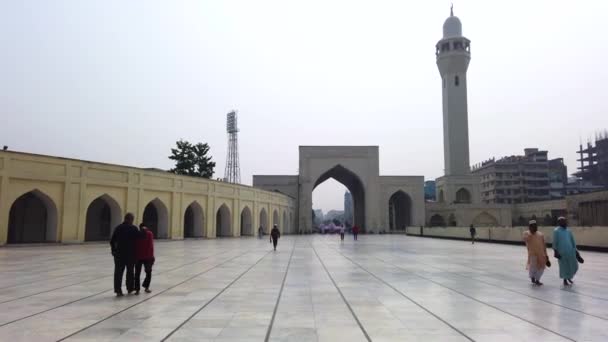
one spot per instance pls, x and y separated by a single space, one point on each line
54 199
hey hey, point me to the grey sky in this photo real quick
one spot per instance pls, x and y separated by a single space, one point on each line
120 81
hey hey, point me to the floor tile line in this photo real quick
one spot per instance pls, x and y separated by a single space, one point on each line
405 296
276 306
341 294
214 297
98 293
152 296
477 300
510 290
99 278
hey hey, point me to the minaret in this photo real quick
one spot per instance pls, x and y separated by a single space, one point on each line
453 56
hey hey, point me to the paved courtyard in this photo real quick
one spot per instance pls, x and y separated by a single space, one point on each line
314 288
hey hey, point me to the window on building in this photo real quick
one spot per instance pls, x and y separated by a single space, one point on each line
458 45
445 47
456 81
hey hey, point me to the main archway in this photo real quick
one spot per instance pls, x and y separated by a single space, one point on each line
354 185
264 220
194 221
400 211
32 219
156 218
103 215
246 223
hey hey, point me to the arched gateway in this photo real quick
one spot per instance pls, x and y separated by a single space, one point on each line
357 168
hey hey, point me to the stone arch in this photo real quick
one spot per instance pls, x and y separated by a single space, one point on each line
194 221
246 222
291 223
354 185
485 220
285 227
463 196
437 221
264 220
156 218
441 196
399 210
103 215
223 222
275 218
452 221
32 218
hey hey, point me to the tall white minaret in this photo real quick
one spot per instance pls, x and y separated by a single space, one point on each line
453 56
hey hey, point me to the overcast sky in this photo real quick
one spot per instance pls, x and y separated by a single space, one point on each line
120 81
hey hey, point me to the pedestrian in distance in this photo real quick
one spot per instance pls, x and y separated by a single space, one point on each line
260 232
473 233
145 258
537 253
342 233
564 249
122 245
355 232
275 234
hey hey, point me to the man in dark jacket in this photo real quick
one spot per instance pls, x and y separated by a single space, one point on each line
123 250
275 234
144 250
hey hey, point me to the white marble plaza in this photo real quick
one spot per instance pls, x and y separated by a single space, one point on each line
314 288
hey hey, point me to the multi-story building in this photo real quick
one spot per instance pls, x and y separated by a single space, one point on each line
517 179
558 178
429 190
594 162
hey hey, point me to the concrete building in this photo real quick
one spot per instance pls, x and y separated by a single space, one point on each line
51 199
519 179
593 169
357 168
558 178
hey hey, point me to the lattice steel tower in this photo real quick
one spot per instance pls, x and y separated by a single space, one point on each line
232 174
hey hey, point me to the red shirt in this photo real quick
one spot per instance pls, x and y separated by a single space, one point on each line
144 248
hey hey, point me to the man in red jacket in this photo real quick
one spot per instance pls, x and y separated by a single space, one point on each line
144 251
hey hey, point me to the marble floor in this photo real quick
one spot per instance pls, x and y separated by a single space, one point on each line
314 288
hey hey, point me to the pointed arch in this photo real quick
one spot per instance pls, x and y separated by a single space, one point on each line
103 215
223 222
485 220
246 222
32 218
452 221
354 185
194 221
156 218
264 220
400 210
437 221
275 218
463 196
291 223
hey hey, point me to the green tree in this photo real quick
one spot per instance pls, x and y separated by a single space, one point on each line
192 159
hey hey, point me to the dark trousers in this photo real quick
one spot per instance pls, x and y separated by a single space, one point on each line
147 264
341 236
355 235
120 265
274 242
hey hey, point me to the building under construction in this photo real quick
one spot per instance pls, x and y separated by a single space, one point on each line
593 161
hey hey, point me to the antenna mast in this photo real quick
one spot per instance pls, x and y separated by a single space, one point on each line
232 173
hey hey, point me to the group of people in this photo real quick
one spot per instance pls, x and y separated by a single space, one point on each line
132 248
564 250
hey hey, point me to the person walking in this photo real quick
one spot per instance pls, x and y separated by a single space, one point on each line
564 248
342 233
260 232
144 251
275 234
537 253
122 245
473 233
355 231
